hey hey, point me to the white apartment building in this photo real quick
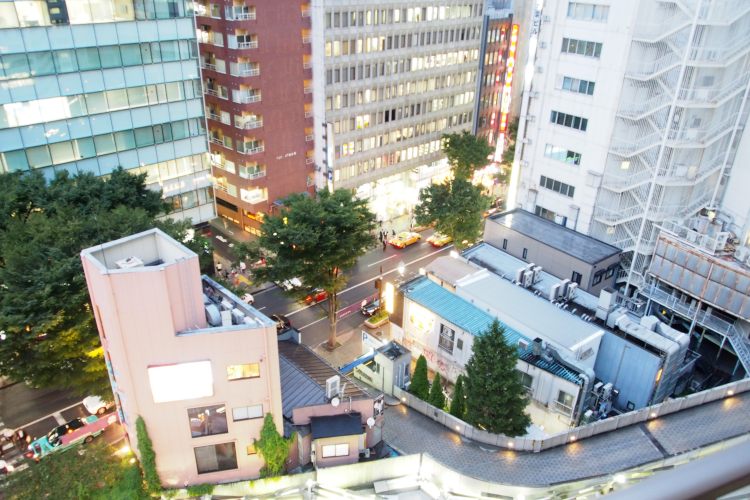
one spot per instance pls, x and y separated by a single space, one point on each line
89 86
389 80
634 116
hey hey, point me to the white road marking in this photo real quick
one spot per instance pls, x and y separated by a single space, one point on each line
47 416
381 260
395 270
314 322
261 308
58 416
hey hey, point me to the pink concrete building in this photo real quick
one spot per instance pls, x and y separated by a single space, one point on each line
198 364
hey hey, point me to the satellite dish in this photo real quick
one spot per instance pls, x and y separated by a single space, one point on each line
335 402
370 422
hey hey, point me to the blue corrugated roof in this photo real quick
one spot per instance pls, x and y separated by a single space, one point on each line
471 319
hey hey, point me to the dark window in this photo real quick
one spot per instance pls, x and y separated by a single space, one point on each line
576 277
208 420
610 271
525 253
505 243
215 457
445 341
598 277
459 344
526 380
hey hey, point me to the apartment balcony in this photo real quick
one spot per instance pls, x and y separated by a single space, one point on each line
306 12
208 66
227 167
239 14
308 90
229 189
254 196
648 69
307 39
216 93
225 142
628 180
218 118
248 45
614 216
245 71
309 138
248 124
249 150
247 98
309 161
308 114
630 147
252 175
307 64
710 96
210 37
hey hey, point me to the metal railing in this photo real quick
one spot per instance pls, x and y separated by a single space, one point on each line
247 45
251 151
247 72
309 138
208 66
248 98
250 124
255 175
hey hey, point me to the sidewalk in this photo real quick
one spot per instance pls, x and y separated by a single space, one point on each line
351 346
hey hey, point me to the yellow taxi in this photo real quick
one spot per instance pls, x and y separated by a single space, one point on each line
404 239
439 240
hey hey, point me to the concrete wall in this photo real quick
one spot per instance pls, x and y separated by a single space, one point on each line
138 315
554 261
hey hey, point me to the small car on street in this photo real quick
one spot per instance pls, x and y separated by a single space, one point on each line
439 240
282 322
316 295
370 308
96 405
404 239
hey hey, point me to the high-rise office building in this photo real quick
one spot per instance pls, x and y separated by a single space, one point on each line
389 81
92 85
257 78
633 117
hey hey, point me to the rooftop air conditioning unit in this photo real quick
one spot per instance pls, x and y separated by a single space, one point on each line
333 386
570 292
554 292
519 274
528 279
537 274
129 263
564 288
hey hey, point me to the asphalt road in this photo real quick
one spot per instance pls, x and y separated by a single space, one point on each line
312 320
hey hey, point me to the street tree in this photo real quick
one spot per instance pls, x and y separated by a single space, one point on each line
273 447
50 337
458 403
420 385
466 153
437 398
455 208
495 398
91 471
317 240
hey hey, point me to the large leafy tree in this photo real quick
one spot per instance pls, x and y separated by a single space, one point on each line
50 337
316 240
465 152
95 473
495 399
455 208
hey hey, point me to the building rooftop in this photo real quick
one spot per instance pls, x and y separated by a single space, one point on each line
578 245
303 378
146 251
471 319
450 270
345 424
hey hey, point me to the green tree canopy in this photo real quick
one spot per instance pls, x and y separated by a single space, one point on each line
272 447
495 399
466 153
437 398
51 338
316 240
455 208
420 385
95 473
458 403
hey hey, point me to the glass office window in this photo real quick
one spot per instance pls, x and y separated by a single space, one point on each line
65 61
8 17
146 55
105 144
88 58
16 65
170 51
131 55
110 57
151 93
174 91
62 152
76 105
124 140
144 136
15 161
32 13
117 99
85 147
96 103
38 157
137 96
41 63
207 420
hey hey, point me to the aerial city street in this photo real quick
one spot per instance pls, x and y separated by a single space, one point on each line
337 249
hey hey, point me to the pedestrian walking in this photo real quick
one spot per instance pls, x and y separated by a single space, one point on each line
380 236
